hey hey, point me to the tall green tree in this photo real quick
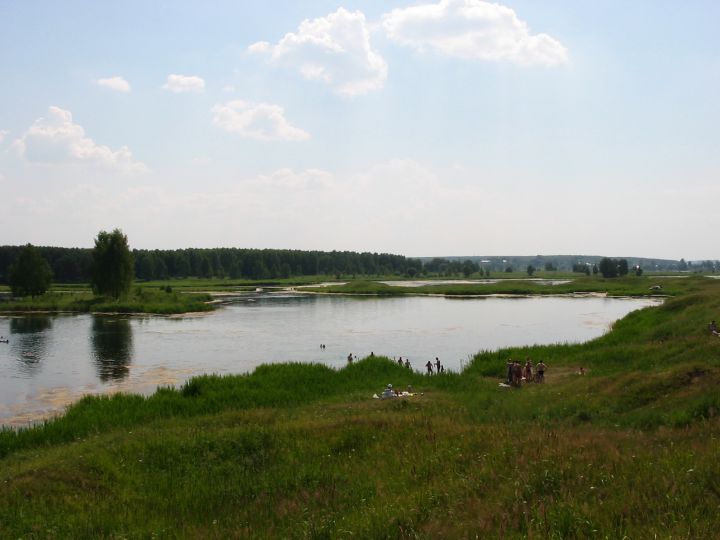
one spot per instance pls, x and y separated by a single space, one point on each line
623 268
113 267
608 267
30 274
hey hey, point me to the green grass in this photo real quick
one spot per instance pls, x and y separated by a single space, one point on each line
629 450
142 300
216 284
628 286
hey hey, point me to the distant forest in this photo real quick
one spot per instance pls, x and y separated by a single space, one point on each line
72 265
570 263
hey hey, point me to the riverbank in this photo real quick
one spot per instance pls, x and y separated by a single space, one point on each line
142 301
293 451
200 295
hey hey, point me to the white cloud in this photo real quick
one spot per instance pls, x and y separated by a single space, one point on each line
114 83
472 29
3 134
184 83
56 139
334 49
259 47
262 122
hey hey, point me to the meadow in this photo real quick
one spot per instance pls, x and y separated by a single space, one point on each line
628 450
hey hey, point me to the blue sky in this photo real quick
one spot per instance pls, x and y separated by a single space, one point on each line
455 127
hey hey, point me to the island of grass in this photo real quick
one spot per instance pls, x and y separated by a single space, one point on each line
628 450
161 301
626 286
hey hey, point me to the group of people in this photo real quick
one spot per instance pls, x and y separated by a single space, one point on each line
517 372
391 392
406 363
432 367
439 368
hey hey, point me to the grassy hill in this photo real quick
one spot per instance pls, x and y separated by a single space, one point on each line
303 451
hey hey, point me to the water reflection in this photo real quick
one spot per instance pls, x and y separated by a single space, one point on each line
32 324
112 344
30 339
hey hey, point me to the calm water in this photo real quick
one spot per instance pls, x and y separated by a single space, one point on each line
426 282
53 360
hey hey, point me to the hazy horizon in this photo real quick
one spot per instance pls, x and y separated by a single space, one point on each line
450 126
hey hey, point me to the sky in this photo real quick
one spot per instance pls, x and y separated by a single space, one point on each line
456 127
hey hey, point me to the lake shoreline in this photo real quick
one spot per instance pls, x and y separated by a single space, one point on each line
109 348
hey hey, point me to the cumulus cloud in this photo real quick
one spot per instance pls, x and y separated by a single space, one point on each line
334 49
262 122
3 134
184 83
472 29
56 139
114 83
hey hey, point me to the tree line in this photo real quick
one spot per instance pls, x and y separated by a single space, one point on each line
74 265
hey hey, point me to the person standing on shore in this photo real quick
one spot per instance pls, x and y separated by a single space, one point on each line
429 367
541 367
516 373
437 365
350 358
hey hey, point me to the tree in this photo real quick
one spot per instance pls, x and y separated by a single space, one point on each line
611 268
113 268
622 266
30 274
469 268
530 270
608 267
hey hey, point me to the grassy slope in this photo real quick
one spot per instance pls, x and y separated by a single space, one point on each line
297 451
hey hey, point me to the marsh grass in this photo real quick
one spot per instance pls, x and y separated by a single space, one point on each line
628 286
140 301
302 451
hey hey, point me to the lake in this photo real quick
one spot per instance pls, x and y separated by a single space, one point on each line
52 360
